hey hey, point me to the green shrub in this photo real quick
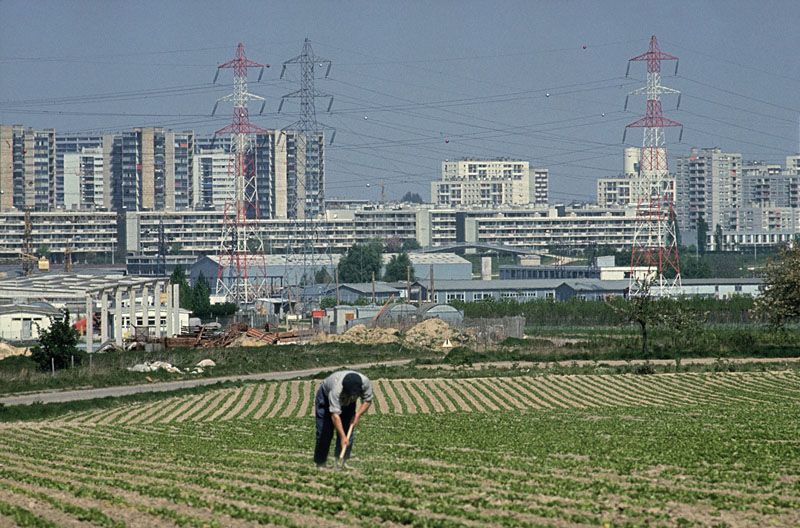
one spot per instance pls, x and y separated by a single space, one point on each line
58 345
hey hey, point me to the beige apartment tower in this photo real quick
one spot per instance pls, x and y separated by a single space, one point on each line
488 183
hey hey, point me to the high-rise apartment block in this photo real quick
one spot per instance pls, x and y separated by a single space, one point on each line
154 169
305 175
75 144
85 179
290 181
631 187
213 171
27 168
709 186
488 183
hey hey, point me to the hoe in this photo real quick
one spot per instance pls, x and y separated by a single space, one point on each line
342 451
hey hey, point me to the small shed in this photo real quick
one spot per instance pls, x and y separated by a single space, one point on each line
22 322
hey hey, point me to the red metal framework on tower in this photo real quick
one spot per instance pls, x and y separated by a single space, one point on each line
655 243
242 272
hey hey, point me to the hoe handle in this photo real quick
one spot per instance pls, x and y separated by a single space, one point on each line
341 453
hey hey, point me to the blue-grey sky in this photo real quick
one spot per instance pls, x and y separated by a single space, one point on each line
415 83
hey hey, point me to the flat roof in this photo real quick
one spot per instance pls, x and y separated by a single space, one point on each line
422 259
67 285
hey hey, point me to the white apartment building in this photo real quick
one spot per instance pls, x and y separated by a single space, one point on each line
529 229
214 178
198 232
489 183
630 188
709 186
85 179
87 234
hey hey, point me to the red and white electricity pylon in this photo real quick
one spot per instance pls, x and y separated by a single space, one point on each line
241 275
655 243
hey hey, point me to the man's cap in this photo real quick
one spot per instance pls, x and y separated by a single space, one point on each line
351 384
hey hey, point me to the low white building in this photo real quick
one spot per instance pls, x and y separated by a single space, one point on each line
23 322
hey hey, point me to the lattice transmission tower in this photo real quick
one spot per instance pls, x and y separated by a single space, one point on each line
655 243
306 192
241 275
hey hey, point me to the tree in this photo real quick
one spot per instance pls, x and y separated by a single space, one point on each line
186 296
683 321
639 309
397 268
718 238
361 261
201 297
779 303
327 302
702 234
393 245
58 345
410 244
410 197
693 267
43 250
322 276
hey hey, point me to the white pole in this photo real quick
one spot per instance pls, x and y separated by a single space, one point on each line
157 305
176 308
103 316
131 311
145 308
89 323
170 302
118 316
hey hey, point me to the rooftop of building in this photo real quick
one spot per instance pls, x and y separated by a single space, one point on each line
40 308
65 285
426 259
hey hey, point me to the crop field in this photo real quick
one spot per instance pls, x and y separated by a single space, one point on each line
425 396
688 449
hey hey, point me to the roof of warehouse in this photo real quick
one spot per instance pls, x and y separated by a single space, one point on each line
435 258
530 284
496 284
713 281
316 259
366 287
37 308
64 285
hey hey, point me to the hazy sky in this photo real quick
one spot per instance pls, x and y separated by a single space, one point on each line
415 83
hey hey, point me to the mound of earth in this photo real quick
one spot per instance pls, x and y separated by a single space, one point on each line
431 333
7 350
361 335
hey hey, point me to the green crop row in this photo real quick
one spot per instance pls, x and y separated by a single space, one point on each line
725 454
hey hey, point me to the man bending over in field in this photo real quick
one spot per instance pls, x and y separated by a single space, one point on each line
335 408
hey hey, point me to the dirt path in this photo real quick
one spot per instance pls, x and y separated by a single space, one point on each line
55 396
610 363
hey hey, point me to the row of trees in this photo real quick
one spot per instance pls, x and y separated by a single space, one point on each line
197 298
363 262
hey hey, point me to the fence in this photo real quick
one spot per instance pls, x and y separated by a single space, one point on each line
493 330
